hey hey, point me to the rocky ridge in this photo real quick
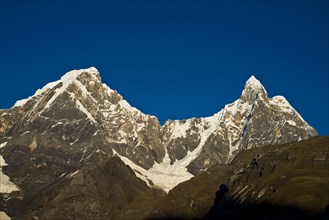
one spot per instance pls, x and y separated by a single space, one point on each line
79 115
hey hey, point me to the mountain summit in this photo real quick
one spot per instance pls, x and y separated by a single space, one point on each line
73 128
79 115
252 89
254 83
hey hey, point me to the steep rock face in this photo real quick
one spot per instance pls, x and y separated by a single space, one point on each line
78 115
254 120
104 188
77 111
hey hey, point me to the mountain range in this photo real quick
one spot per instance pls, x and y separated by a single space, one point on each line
76 149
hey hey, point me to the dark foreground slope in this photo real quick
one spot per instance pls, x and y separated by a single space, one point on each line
289 181
105 188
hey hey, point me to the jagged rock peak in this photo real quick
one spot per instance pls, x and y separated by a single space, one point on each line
81 77
253 89
74 74
254 84
252 81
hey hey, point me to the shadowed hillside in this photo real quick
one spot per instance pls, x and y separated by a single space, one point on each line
273 182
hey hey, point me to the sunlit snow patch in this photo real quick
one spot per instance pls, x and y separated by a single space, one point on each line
165 175
4 216
6 186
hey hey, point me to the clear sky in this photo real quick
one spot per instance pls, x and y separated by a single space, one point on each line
172 59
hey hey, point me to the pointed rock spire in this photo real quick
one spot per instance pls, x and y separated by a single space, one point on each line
253 82
253 89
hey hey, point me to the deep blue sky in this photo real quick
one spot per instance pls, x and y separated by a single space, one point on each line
172 59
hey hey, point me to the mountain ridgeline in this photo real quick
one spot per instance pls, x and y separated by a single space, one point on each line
74 135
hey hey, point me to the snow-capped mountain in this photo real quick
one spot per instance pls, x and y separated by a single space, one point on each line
79 116
79 112
254 120
74 138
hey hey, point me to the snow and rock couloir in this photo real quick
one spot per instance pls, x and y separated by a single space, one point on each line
79 115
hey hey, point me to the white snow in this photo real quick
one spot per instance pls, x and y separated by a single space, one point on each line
2 162
84 90
4 216
253 86
125 105
291 122
284 106
66 80
233 107
61 175
281 103
38 92
74 141
165 175
26 132
100 151
70 78
84 110
191 155
6 186
261 193
72 174
179 128
83 155
234 127
254 83
58 123
21 102
3 144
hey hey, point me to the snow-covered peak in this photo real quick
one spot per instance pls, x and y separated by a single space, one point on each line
73 74
92 70
66 80
283 105
72 77
85 88
254 83
253 89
